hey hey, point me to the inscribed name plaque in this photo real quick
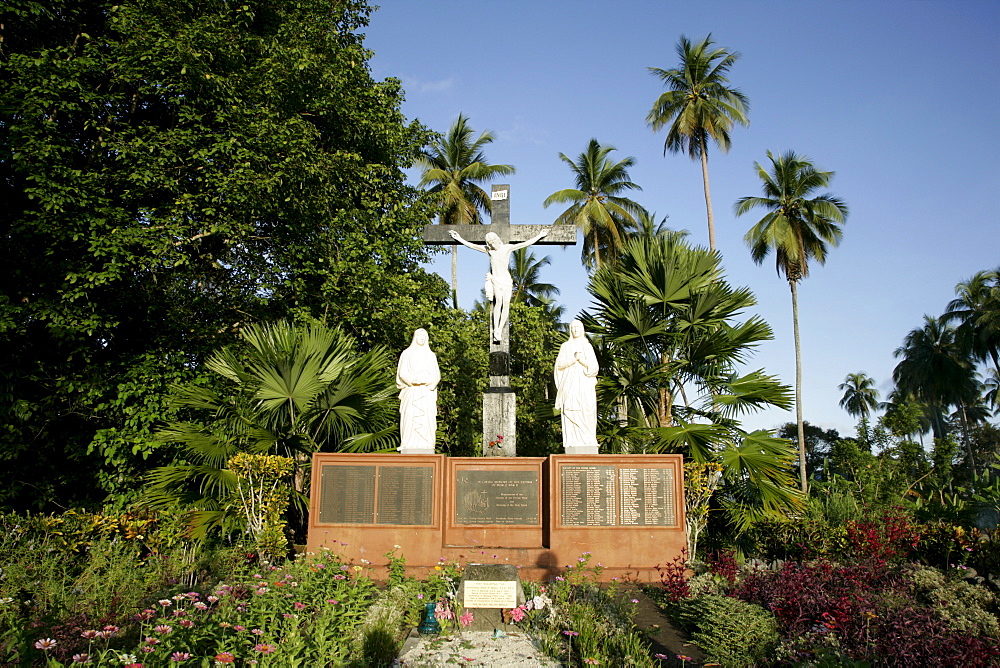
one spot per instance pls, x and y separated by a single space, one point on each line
405 494
646 496
348 495
497 497
487 594
588 495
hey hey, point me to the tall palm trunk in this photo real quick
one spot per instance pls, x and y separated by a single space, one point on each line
798 387
708 195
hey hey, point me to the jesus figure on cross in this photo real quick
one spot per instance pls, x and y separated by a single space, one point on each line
499 284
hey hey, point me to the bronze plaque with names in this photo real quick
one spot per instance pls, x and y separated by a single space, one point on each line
347 495
646 497
405 495
588 495
496 497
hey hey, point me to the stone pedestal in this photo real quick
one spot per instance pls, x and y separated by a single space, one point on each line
499 419
581 449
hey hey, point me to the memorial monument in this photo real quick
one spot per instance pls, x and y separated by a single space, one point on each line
499 401
530 516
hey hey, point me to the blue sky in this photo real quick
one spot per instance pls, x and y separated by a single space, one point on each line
900 99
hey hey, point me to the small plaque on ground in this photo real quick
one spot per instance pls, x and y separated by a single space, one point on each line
487 594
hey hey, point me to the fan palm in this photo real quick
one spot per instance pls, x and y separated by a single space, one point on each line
976 310
290 391
798 227
454 166
525 270
597 206
699 106
860 396
670 345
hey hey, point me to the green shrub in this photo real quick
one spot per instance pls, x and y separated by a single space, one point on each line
961 604
730 631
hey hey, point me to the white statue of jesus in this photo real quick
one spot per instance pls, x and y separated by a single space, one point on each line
499 284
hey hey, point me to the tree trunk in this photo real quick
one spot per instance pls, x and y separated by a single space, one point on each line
708 196
798 388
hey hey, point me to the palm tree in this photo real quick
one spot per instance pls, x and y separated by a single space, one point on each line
976 309
455 165
936 370
525 270
288 390
860 396
699 106
798 228
671 343
597 206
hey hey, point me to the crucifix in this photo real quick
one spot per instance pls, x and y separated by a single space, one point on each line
497 240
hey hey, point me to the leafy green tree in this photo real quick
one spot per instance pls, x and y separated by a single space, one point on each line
170 172
699 105
670 345
819 445
453 166
288 391
798 227
597 205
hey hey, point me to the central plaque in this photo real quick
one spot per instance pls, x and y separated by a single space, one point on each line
497 497
405 494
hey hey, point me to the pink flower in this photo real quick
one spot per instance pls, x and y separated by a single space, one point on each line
571 633
517 614
466 618
186 623
180 656
264 648
166 603
201 606
45 644
148 649
89 635
163 628
152 641
134 664
225 657
299 606
81 658
239 628
257 632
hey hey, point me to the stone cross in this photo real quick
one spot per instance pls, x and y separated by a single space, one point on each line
499 401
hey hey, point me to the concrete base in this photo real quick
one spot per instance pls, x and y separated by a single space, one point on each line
581 449
499 418
416 451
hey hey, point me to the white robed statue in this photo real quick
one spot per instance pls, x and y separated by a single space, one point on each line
576 392
417 378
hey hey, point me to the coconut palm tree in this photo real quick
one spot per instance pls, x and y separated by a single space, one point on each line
525 271
940 373
860 396
597 206
798 227
699 105
976 310
454 166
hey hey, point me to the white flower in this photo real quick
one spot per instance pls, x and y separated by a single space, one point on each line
538 602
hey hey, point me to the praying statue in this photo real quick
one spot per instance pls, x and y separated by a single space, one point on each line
576 392
417 378
499 284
